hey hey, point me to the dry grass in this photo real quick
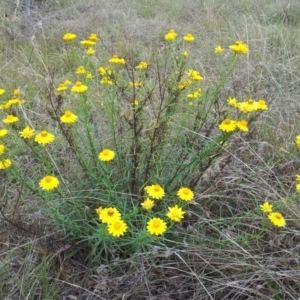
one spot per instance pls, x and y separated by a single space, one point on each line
214 260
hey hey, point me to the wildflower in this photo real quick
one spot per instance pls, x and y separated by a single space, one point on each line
228 125
49 183
171 35
136 84
195 94
298 187
232 102
106 81
266 207
277 219
185 54
135 103
87 43
175 213
261 105
93 37
194 75
98 210
298 177
68 117
10 119
117 228
104 71
156 226
109 215
239 48
62 87
142 66
2 91
106 155
247 106
2 149
3 132
68 37
88 75
297 141
219 50
90 51
155 191
184 84
242 125
44 138
79 87
4 164
67 82
117 61
27 133
185 194
81 70
189 37
147 204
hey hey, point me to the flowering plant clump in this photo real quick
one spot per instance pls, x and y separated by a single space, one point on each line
134 135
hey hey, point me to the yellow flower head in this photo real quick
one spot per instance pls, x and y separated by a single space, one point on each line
117 228
2 91
242 125
142 66
87 43
228 125
135 103
175 213
147 204
10 119
93 37
98 210
277 219
117 61
68 37
195 94
27 133
219 50
189 37
261 105
136 84
171 35
194 75
266 207
104 71
156 226
185 54
68 117
2 149
79 87
3 132
90 51
44 138
109 215
247 106
49 183
62 87
232 102
4 164
81 70
297 140
155 191
106 81
239 48
185 194
106 155
184 84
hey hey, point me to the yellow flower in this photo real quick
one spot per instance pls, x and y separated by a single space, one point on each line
261 105
155 191
81 70
142 66
219 50
185 54
228 125
247 106
117 228
3 132
277 219
298 177
266 207
194 75
136 84
79 87
27 133
68 37
156 226
189 37
147 204
239 48
297 140
232 102
109 215
62 87
171 35
117 61
242 125
104 71
89 75
67 82
175 213
298 187
4 164
10 119
106 155
135 103
68 117
93 37
44 138
90 51
49 183
185 194
87 43
106 81
195 94
184 84
98 210
2 91
2 149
